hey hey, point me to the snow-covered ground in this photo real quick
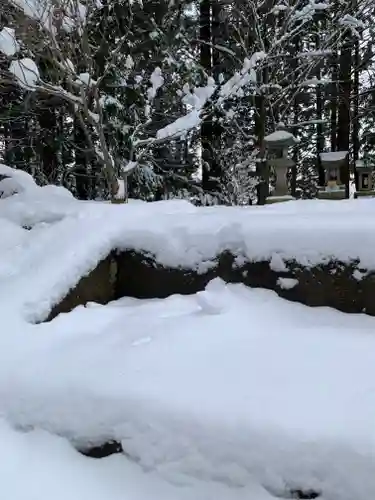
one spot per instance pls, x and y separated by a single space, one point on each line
231 386
39 466
229 394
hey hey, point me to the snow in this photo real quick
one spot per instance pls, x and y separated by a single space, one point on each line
231 386
315 53
234 85
107 100
85 79
279 135
121 192
8 43
43 11
129 167
334 156
40 10
156 80
26 73
277 264
358 275
69 66
228 394
200 95
306 13
129 62
39 466
195 101
287 283
14 181
353 22
181 126
175 232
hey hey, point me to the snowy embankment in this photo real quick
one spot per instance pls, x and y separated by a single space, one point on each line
230 393
69 238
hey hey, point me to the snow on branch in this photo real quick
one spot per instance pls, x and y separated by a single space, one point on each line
355 25
181 126
308 11
49 13
26 73
9 46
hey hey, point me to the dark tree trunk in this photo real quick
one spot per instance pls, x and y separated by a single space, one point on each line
355 116
47 147
319 116
207 130
343 129
260 130
333 99
81 163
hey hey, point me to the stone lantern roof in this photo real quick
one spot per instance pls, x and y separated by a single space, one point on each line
334 159
364 165
280 139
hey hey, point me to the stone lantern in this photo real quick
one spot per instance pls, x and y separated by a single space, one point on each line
334 189
365 183
277 145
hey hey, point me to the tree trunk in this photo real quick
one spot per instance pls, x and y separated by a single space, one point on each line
319 116
260 129
205 29
333 99
81 163
355 115
343 129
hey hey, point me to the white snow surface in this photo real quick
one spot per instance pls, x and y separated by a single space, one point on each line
39 466
157 81
14 181
259 394
334 155
228 394
279 135
181 126
287 283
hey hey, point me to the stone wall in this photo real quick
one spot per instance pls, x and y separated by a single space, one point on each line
98 286
133 274
330 285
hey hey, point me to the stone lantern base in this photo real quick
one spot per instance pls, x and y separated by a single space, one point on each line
364 194
278 199
332 194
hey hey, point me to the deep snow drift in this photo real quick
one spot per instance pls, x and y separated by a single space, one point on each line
38 466
231 385
228 394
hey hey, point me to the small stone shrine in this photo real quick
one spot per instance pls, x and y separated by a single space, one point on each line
334 189
364 169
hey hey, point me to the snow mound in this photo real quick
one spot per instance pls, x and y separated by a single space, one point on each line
256 394
14 181
39 466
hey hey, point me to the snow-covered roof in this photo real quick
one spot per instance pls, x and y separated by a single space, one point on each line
334 156
280 138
